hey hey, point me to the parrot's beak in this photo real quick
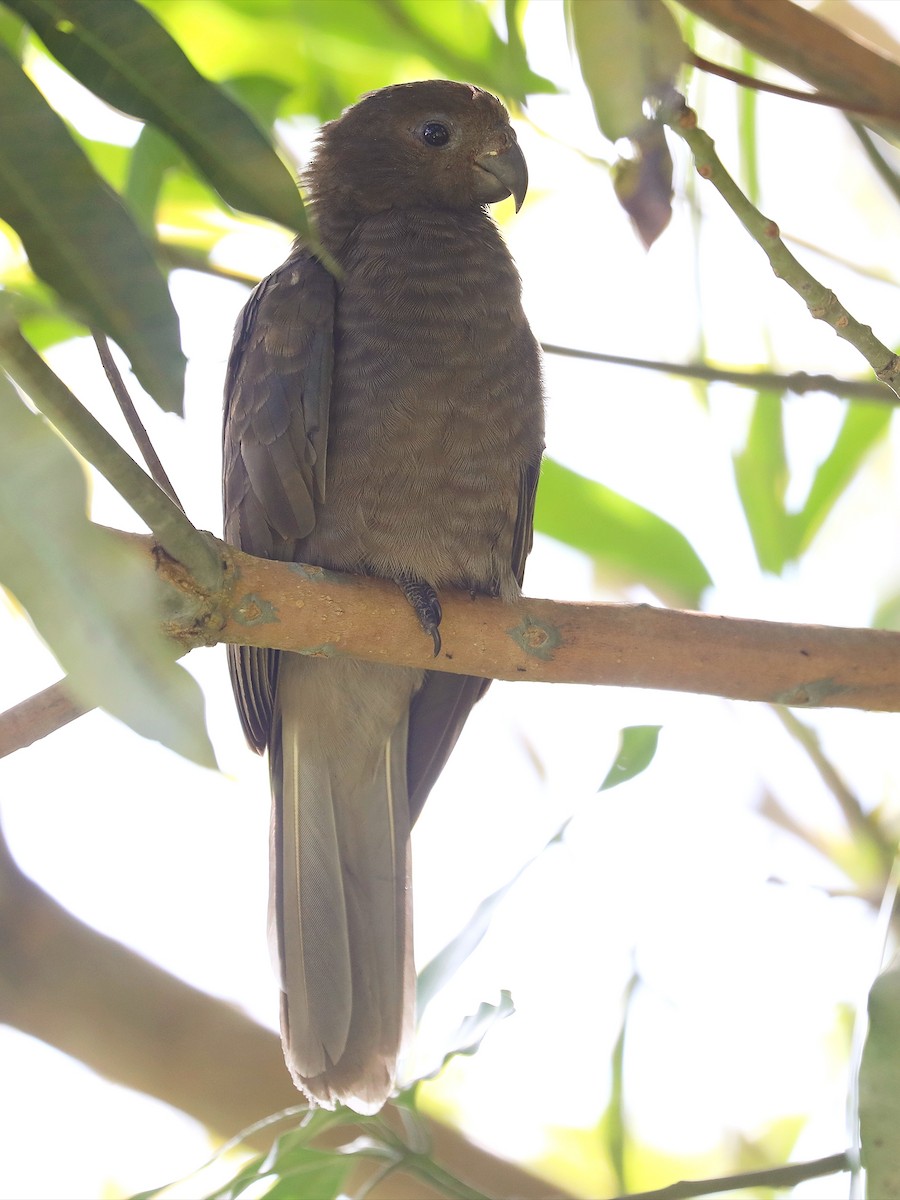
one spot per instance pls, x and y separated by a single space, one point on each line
509 169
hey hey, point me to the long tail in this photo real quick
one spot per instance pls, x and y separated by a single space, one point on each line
341 904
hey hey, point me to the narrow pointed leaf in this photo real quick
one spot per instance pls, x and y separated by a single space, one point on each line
80 238
93 599
466 1039
613 1125
879 1089
761 474
122 53
863 426
619 534
637 748
436 973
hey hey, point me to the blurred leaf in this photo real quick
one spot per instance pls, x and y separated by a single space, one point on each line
445 964
863 426
128 59
612 1125
302 1175
879 1089
149 163
13 31
93 599
643 183
637 748
627 50
111 162
80 239
619 533
748 142
467 1038
761 474
363 43
887 614
36 310
260 94
311 1122
460 39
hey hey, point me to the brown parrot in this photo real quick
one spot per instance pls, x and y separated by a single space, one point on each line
390 423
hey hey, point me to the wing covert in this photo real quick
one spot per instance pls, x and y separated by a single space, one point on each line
275 436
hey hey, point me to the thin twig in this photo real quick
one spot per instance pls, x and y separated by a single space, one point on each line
129 412
865 271
772 1177
858 820
81 429
811 48
822 303
776 89
36 717
883 168
798 382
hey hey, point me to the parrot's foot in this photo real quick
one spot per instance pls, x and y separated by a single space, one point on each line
426 606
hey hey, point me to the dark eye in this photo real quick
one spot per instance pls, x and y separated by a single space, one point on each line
435 134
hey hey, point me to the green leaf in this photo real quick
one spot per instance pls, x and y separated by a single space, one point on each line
467 1038
637 748
80 239
312 1181
328 53
441 969
761 474
879 1089
35 309
627 50
620 534
119 51
13 32
460 39
863 426
151 159
92 598
613 1127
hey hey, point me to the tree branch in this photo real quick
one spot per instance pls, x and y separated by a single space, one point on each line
37 716
812 49
83 431
798 382
770 1177
135 424
325 614
133 1023
822 303
742 79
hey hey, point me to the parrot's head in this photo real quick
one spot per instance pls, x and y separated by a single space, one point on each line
437 143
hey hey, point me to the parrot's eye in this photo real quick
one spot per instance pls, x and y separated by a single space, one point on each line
435 134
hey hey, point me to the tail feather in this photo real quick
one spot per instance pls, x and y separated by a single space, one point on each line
341 900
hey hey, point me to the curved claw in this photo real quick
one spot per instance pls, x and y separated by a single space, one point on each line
423 599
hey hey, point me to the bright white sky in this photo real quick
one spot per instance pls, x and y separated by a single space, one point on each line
736 1025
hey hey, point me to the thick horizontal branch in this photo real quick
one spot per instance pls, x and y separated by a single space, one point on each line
92 998
324 614
812 49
